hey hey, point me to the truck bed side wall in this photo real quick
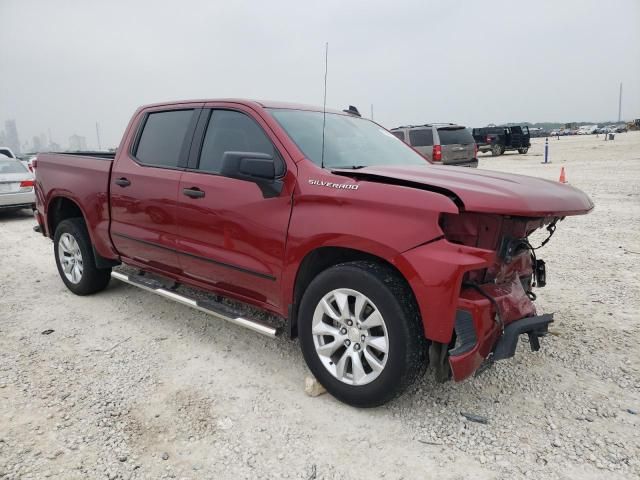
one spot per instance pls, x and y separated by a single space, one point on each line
83 180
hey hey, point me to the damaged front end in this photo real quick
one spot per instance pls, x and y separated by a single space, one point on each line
495 305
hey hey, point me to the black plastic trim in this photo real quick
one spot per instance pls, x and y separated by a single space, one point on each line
98 155
533 326
466 337
292 322
198 139
102 262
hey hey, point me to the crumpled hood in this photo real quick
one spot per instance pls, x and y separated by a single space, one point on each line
484 190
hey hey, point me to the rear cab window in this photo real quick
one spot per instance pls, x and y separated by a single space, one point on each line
422 137
162 138
455 136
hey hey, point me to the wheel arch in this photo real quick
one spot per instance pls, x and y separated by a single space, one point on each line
320 259
61 208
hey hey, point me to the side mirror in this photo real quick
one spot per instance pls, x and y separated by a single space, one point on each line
259 168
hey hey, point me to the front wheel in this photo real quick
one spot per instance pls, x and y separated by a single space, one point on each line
524 150
361 334
75 259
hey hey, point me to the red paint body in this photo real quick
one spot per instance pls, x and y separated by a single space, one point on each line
239 244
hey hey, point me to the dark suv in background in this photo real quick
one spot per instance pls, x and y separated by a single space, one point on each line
498 140
445 143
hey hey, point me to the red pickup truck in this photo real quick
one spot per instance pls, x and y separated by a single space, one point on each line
379 262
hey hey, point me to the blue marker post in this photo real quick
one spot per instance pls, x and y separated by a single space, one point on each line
546 151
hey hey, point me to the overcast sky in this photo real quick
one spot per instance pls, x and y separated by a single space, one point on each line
66 64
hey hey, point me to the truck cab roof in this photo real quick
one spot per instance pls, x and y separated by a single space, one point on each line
255 104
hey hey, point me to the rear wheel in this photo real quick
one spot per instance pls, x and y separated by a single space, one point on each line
523 150
361 334
497 150
75 259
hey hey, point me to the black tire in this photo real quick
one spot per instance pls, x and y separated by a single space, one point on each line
497 150
522 151
93 279
406 359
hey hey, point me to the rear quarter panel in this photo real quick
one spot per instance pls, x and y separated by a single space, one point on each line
85 181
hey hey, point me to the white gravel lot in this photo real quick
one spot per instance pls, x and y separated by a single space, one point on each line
132 386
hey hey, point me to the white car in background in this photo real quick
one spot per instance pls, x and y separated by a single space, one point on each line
587 129
16 184
26 159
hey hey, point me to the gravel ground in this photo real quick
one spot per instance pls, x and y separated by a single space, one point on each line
129 385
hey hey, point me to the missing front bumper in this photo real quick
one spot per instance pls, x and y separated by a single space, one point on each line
478 327
467 358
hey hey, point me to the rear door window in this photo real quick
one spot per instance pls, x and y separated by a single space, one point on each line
230 131
421 138
455 136
162 138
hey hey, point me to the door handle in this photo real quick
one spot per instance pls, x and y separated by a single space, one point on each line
193 192
123 182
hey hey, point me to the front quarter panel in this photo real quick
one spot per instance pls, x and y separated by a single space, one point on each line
379 219
434 272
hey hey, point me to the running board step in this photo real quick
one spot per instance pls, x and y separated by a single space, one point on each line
216 309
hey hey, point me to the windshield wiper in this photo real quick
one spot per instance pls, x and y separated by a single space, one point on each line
349 167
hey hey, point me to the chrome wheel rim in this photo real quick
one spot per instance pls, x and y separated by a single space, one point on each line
350 336
70 257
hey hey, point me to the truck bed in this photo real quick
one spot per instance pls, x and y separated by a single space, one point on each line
84 178
90 153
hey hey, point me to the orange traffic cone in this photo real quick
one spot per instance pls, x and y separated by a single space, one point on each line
563 178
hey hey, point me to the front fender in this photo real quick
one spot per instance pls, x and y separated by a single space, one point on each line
298 252
434 272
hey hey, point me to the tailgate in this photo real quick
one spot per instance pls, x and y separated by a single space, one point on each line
458 153
457 144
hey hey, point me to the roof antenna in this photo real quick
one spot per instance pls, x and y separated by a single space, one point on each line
324 103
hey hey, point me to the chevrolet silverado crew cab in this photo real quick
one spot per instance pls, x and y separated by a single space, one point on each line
380 263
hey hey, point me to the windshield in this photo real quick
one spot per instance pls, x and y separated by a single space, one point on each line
349 142
9 165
